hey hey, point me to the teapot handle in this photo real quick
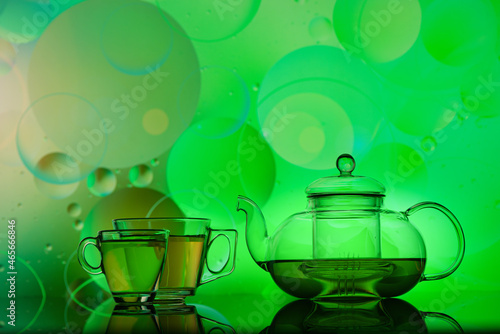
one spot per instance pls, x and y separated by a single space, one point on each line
460 237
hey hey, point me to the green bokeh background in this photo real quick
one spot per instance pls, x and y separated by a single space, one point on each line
173 96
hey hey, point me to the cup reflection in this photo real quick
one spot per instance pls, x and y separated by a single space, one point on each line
133 319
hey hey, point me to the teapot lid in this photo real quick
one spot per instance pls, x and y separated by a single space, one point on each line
345 183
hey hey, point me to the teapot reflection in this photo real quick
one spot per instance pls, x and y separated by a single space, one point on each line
361 316
162 319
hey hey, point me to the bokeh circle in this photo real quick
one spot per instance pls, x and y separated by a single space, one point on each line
61 138
210 20
223 94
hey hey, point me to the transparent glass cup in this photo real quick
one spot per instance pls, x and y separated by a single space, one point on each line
186 265
132 262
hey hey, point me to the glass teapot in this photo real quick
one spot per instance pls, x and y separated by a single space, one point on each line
345 244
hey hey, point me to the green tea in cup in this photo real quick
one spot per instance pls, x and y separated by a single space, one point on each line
132 262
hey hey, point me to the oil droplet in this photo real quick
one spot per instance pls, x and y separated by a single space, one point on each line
140 176
320 28
48 248
155 162
2 268
101 182
255 87
78 225
19 205
2 324
428 144
74 209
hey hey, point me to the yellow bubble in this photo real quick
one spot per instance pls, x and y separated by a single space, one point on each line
7 56
155 121
74 209
140 176
55 191
78 225
101 182
312 139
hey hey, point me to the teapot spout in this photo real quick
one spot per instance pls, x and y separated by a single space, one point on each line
256 230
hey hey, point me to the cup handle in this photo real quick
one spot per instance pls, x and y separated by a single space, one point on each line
446 318
232 237
460 237
81 256
210 325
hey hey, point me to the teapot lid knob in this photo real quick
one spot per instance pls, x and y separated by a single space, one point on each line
345 164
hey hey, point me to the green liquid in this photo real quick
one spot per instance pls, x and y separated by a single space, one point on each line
132 265
346 278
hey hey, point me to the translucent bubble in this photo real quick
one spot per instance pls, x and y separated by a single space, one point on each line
48 248
74 209
230 102
2 324
155 122
255 87
78 225
23 31
76 141
375 31
320 28
428 144
224 18
140 176
417 44
316 101
7 56
419 112
480 96
459 33
55 191
2 268
401 169
155 162
56 168
151 34
14 97
239 163
301 138
101 182
124 101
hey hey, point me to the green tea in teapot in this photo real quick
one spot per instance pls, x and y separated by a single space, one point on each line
346 277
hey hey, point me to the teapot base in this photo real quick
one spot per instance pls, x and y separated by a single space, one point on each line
346 278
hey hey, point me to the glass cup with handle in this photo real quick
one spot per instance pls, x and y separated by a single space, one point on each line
132 262
186 265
